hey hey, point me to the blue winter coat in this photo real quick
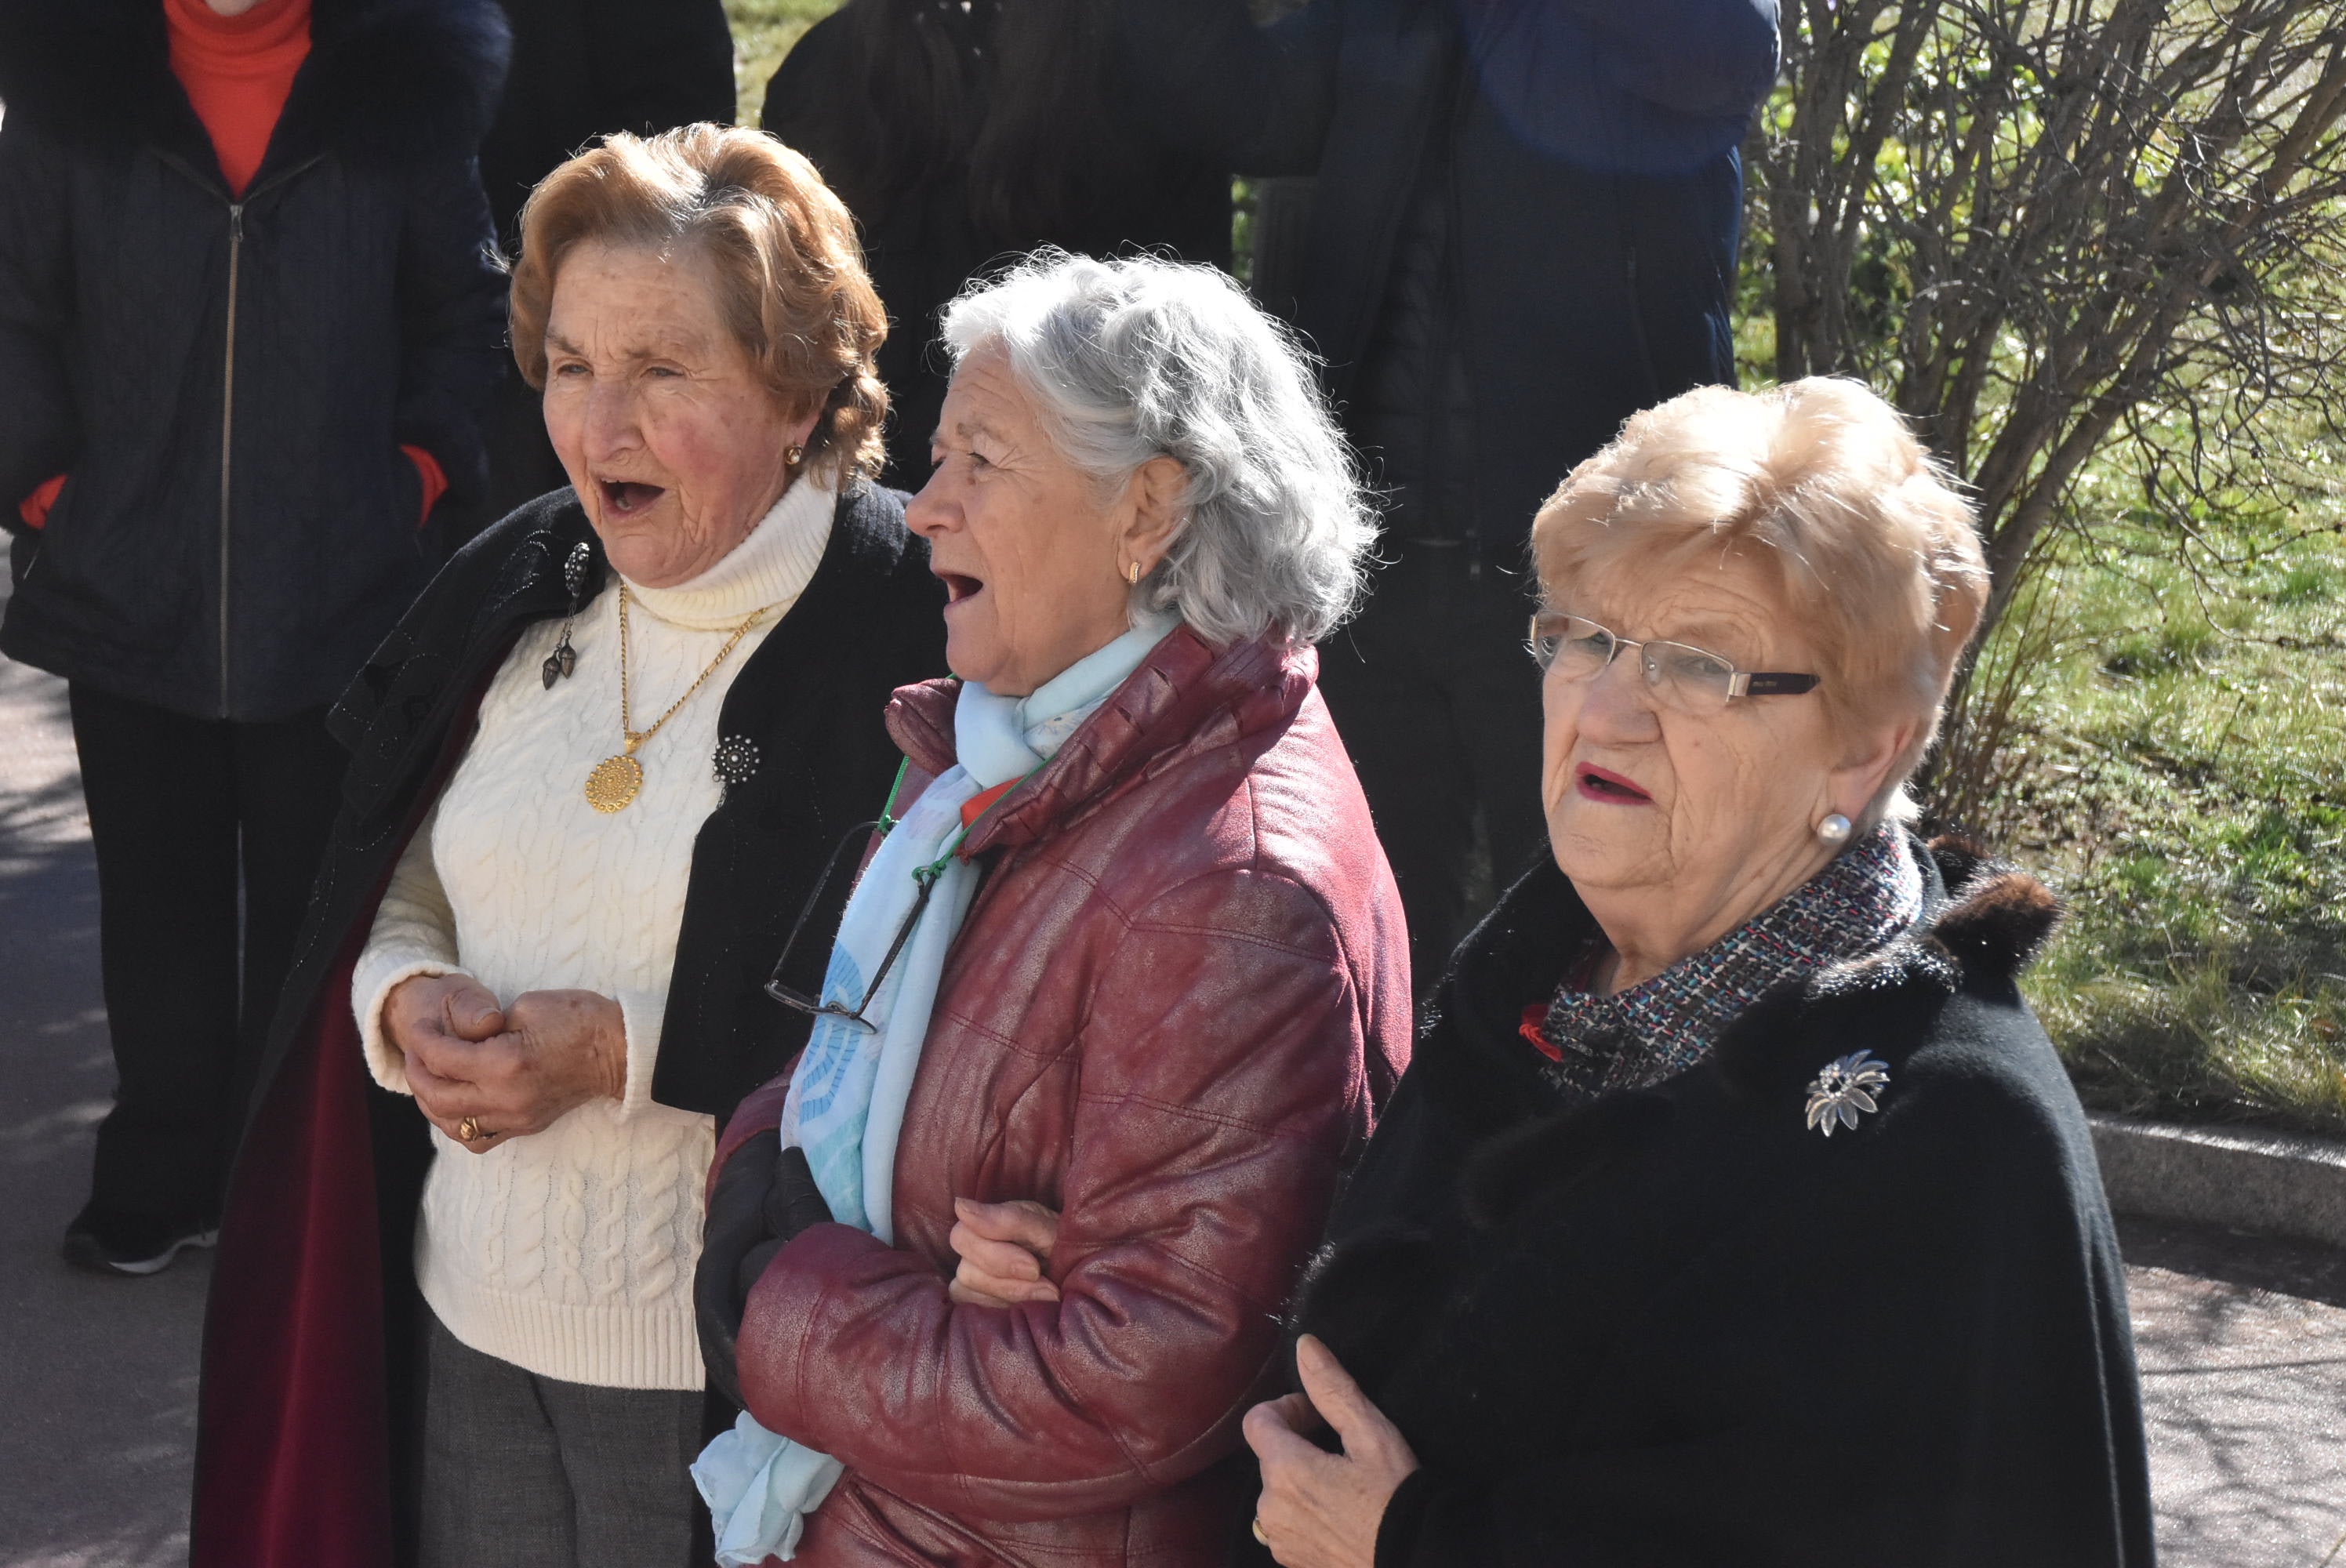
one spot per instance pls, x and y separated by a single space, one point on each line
227 381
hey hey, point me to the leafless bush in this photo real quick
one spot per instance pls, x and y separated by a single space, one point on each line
2096 249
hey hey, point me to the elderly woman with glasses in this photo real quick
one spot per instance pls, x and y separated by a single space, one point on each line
598 768
1117 993
1734 1208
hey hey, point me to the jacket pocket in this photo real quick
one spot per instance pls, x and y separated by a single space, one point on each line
113 571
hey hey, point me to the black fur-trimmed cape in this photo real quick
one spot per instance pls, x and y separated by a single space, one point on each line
1682 1325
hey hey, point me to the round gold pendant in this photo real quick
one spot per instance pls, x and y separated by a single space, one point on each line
614 783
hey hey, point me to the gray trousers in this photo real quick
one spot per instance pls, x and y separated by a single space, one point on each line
527 1472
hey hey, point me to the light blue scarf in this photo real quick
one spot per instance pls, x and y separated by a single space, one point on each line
846 1105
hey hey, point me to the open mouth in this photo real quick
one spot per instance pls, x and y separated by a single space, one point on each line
1603 784
624 497
959 587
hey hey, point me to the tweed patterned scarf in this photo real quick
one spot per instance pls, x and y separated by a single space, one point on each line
1657 1029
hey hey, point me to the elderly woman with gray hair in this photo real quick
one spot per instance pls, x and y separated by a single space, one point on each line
1117 993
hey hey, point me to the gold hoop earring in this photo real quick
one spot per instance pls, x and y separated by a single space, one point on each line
1132 573
793 456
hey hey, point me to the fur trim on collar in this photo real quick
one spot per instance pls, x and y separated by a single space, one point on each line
388 82
1989 925
1983 922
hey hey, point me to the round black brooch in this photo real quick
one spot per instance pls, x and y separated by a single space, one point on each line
736 759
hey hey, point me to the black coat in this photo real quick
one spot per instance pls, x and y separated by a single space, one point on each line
309 1351
1680 1327
582 68
924 245
1596 207
238 558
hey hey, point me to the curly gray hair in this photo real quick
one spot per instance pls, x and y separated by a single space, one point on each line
1140 357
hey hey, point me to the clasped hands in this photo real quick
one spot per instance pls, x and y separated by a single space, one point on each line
509 1070
1318 1508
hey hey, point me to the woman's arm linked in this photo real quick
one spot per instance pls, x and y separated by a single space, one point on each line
1203 1153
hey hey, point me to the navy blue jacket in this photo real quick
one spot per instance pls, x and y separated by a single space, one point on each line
1591 164
227 381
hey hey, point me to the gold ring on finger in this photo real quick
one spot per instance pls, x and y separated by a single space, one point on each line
468 1130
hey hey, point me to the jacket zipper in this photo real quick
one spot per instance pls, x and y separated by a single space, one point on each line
227 432
236 205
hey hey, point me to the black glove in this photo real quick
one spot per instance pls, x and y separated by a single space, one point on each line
764 1197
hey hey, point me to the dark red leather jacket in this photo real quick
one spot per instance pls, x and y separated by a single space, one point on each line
1180 995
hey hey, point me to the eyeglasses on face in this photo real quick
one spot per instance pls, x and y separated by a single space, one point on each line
1690 679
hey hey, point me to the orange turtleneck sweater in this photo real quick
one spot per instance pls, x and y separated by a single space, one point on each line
238 72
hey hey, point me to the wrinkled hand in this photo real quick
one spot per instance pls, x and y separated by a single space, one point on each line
762 1199
554 1051
1002 1247
1321 1509
438 1011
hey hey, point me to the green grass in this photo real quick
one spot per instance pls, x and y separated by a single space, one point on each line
763 32
2185 786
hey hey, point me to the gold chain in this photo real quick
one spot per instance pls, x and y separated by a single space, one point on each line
634 737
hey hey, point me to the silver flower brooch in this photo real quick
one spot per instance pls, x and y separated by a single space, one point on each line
1845 1090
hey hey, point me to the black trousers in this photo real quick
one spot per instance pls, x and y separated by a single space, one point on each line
1439 705
183 813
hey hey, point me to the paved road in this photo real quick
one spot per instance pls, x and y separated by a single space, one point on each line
2242 1341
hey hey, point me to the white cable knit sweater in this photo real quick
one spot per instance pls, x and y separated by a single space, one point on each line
570 1253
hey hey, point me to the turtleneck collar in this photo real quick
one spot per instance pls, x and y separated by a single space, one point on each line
254 44
767 570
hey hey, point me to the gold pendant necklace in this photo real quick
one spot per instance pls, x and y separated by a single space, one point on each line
616 781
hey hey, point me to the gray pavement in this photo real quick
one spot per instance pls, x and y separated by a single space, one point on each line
97 1376
2242 1340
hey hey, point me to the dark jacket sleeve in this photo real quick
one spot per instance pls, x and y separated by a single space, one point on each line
38 429
1262 98
452 300
1711 58
668 65
1257 99
1944 1376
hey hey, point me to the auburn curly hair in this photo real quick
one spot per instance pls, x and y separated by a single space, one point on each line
782 247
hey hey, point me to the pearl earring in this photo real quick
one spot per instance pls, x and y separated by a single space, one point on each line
793 456
1835 830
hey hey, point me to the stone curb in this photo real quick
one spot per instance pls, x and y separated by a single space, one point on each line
2279 1183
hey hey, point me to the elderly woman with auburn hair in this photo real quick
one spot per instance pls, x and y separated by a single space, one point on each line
597 772
1734 1210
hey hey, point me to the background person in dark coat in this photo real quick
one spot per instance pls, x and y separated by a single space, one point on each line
961 135
585 68
247 325
1734 1208
1525 230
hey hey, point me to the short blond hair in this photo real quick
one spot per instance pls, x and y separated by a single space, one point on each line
1821 484
789 272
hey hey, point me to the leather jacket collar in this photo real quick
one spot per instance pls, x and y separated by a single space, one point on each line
1183 689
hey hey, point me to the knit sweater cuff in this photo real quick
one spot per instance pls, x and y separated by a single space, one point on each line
378 974
642 1009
